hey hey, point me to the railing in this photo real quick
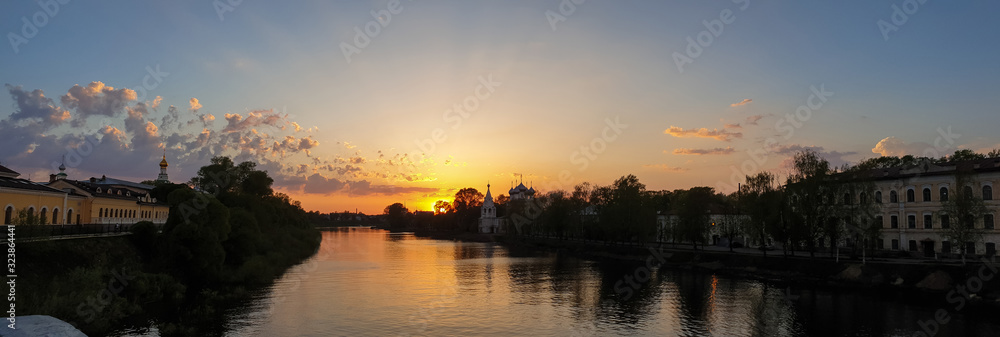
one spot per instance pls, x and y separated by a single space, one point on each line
33 231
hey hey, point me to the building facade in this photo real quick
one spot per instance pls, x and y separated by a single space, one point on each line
94 201
488 220
912 201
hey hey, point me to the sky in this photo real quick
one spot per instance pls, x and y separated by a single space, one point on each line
357 105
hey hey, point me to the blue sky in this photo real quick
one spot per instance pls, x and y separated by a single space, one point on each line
556 89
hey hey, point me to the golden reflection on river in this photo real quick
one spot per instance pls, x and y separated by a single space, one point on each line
366 282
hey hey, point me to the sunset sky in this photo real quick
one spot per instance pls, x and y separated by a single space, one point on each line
343 121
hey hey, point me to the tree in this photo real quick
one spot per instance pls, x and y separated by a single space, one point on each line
857 207
732 223
810 196
692 208
966 154
757 197
396 213
965 208
467 204
442 207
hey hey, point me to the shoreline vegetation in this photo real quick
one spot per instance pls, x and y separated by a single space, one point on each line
225 238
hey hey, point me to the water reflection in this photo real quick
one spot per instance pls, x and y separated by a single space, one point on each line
370 282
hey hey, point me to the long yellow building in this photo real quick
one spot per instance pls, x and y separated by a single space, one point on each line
94 201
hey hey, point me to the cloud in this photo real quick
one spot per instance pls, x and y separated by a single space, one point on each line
195 105
96 99
752 120
715 151
732 126
743 102
892 146
34 105
664 167
722 135
256 118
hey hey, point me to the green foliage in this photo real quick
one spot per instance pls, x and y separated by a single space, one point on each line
144 235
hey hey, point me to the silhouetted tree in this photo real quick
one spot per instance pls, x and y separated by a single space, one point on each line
396 214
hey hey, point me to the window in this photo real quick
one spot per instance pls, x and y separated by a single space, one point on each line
991 249
988 221
8 215
893 197
881 244
946 247
69 217
910 195
970 248
879 221
927 194
864 198
944 194
987 193
44 218
911 221
967 192
878 197
945 221
31 214
913 245
55 216
895 244
928 224
893 221
847 199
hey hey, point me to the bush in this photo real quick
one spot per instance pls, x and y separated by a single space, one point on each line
144 234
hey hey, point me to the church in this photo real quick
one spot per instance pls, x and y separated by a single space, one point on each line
489 222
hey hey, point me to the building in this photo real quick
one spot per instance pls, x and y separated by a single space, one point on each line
717 218
93 201
50 205
488 220
911 205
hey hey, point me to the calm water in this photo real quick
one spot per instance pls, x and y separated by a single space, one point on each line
373 283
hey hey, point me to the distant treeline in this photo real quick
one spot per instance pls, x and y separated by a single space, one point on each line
227 232
815 207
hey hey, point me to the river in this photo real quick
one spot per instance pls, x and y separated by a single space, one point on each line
374 283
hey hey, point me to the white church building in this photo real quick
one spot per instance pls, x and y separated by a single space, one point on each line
489 222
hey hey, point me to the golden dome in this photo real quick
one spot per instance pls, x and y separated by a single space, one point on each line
163 163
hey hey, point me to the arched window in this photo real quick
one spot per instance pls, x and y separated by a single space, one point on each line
69 217
893 197
878 197
944 194
987 192
847 199
31 214
927 194
43 216
864 198
988 221
8 215
967 192
55 216
910 195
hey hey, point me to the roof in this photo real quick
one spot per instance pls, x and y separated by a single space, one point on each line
113 181
926 169
24 184
107 190
6 172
